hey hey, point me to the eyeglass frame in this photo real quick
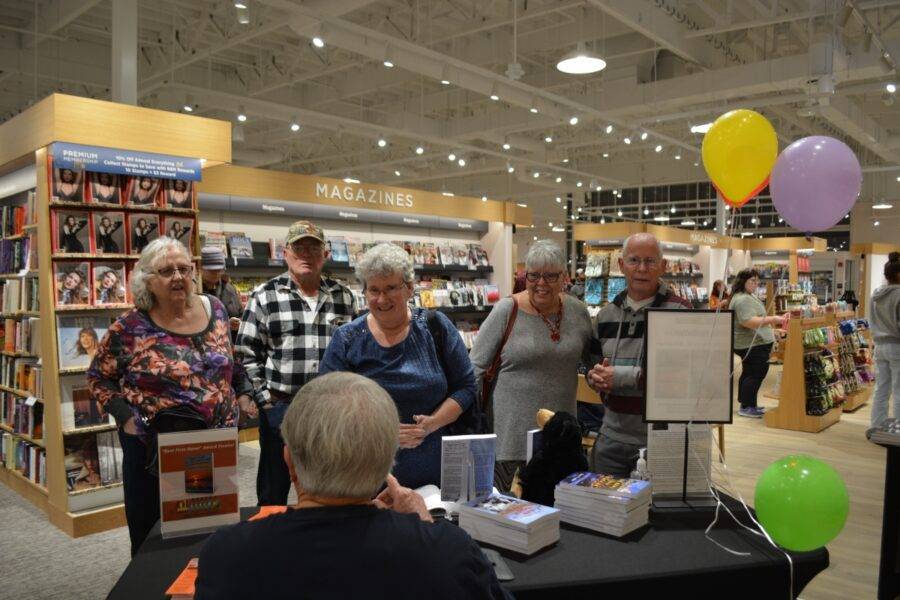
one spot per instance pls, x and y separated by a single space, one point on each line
307 249
185 272
391 289
635 262
550 278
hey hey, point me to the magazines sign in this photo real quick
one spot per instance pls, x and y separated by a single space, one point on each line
374 197
124 162
198 487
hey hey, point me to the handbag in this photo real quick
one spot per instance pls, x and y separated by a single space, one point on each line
183 417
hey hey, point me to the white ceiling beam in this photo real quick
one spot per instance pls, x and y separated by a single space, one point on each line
59 13
849 117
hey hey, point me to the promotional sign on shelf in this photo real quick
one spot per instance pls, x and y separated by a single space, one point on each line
198 485
124 162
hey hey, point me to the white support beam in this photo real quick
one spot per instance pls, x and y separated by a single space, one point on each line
849 117
57 14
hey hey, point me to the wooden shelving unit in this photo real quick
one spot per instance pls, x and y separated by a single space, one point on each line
25 140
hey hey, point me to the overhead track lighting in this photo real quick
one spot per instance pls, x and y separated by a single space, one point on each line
581 62
461 162
701 128
609 129
451 157
627 140
643 136
548 138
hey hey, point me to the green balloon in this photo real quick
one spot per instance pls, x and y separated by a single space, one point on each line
802 502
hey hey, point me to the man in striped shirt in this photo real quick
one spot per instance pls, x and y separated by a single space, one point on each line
284 331
618 375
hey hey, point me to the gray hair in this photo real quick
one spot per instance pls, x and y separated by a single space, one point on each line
342 430
146 266
641 237
385 260
545 253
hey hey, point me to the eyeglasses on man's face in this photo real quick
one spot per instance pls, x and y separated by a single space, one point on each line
306 249
634 262
534 277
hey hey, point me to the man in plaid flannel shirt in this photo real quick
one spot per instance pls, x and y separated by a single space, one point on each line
285 329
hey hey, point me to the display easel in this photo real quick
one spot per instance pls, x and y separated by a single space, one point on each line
24 142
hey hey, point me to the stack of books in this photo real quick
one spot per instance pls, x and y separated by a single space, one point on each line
510 523
603 503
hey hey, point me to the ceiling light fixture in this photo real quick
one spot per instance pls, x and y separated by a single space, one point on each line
578 184
705 222
573 120
382 142
677 157
188 103
701 128
658 148
619 212
882 206
558 179
451 157
349 179
420 150
461 162
484 198
510 168
388 58
494 95
447 194
534 107
558 200
239 4
627 140
643 136
536 174
241 115
646 211
876 223
603 220
890 88
506 146
672 210
295 126
566 161
610 128
523 205
688 222
445 75
606 155
661 218
397 173
581 62
548 138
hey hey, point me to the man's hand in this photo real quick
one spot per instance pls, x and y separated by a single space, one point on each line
235 323
600 378
411 435
247 405
402 500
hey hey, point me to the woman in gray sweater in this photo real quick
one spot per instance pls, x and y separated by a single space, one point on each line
539 363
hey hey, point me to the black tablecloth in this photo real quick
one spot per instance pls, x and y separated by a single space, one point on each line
671 555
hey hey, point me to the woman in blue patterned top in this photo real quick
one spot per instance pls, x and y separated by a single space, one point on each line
393 345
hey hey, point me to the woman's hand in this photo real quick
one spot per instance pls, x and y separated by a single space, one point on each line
129 427
247 405
426 423
402 500
411 435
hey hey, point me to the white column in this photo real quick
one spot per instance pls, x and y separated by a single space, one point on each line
498 243
124 51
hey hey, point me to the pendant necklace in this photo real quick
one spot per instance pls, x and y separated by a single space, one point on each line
553 327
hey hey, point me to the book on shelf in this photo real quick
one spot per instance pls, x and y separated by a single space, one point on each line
105 188
215 239
276 249
467 466
19 294
78 409
143 191
15 254
79 337
21 373
110 284
178 193
13 220
67 185
510 523
72 283
240 246
81 461
22 335
24 457
109 232
23 415
109 454
339 249
143 228
181 229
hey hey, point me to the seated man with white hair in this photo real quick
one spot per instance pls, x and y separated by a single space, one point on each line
341 434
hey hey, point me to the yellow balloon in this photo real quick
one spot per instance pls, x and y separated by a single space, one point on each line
739 151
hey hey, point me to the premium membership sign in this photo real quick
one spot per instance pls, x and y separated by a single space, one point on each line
688 369
198 486
124 162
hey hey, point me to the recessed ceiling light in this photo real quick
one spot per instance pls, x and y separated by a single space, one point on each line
627 140
506 146
420 150
523 205
382 142
188 108
461 162
295 126
558 200
573 120
581 62
578 184
672 210
536 174
609 129
677 157
484 198
510 168
619 213
451 157
602 220
447 193
318 42
876 223
646 211
643 136
890 88
558 179
658 148
566 161
397 173
494 95
606 155
548 138
388 63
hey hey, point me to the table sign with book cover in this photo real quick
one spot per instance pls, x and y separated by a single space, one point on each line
198 486
467 466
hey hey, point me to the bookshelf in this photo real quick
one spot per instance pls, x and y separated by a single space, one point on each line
32 138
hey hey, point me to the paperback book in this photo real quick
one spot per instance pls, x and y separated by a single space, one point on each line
240 246
79 338
181 229
510 523
106 188
144 229
467 466
109 232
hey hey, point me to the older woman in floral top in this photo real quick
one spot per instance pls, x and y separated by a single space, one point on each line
172 353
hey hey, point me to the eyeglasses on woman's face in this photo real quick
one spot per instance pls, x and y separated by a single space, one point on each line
184 271
534 277
389 290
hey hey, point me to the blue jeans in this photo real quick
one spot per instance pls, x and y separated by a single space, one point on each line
887 381
273 480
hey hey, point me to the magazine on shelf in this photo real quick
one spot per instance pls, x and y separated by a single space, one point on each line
339 249
82 463
446 253
72 232
72 283
67 186
77 406
240 246
181 229
460 254
106 188
276 249
178 193
430 257
143 191
144 228
467 466
109 283
79 337
109 232
355 251
110 457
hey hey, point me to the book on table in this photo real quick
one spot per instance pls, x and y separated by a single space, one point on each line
510 523
612 505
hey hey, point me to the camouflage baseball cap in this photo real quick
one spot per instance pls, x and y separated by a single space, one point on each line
304 229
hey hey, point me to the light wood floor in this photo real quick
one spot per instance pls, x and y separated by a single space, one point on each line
750 446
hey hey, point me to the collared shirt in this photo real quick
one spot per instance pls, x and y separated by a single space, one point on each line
282 337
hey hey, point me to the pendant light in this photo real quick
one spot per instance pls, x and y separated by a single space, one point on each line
581 62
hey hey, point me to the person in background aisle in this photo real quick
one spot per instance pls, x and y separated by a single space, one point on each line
284 331
337 541
753 339
216 283
850 298
620 335
539 362
168 359
884 319
393 345
717 297
577 288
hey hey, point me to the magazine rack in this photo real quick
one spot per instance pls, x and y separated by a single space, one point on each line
25 143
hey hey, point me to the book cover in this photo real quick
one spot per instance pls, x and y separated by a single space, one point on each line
477 256
355 251
339 249
106 188
446 251
77 407
81 461
143 191
72 283
240 246
198 473
181 229
67 185
534 439
276 249
606 484
179 193
144 228
514 511
109 232
109 283
79 338
430 256
71 232
215 239
460 254
467 466
110 460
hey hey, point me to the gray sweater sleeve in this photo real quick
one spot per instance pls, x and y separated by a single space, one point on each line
489 335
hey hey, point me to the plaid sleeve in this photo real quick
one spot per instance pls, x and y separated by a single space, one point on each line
251 346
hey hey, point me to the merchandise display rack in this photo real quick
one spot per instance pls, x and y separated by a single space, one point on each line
25 142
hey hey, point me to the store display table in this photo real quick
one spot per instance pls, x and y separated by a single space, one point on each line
670 555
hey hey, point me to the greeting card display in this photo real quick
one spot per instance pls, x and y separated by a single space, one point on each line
71 231
181 229
109 283
72 283
79 339
78 408
105 188
67 186
109 232
143 191
144 229
179 193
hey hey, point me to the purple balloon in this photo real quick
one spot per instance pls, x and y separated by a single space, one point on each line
815 182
